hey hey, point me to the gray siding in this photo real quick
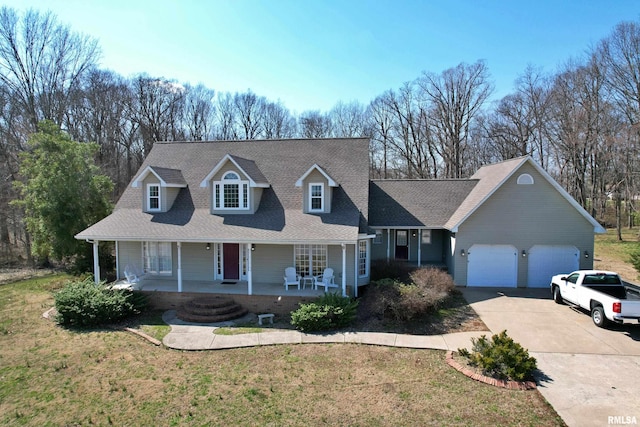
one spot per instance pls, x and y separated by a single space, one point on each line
269 262
129 253
524 216
197 262
316 177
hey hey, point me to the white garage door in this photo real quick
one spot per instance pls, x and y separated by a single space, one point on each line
492 265
546 261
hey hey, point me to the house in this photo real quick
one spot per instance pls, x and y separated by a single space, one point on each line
230 216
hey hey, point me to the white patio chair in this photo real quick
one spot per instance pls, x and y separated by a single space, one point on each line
325 279
291 278
133 275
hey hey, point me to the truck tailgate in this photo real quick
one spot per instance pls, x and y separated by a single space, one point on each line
630 309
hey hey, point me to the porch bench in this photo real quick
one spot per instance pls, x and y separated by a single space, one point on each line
261 317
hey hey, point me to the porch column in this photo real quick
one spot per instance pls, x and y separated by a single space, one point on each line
96 263
249 275
344 270
356 266
117 262
179 266
388 242
419 246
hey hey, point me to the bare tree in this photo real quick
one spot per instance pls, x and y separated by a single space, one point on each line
349 120
158 105
456 97
250 113
278 122
199 112
41 62
314 124
225 118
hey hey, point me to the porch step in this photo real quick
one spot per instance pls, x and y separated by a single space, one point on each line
211 309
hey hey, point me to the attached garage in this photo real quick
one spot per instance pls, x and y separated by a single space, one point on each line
492 266
546 261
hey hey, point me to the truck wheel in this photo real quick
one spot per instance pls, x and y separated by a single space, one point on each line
598 317
557 296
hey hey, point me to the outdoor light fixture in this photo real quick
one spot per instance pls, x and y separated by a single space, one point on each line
524 253
208 246
586 254
253 246
462 252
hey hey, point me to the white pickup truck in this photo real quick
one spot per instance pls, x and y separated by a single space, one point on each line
602 293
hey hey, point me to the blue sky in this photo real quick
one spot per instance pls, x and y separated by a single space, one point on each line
311 54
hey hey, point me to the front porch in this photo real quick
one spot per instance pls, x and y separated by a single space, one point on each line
240 287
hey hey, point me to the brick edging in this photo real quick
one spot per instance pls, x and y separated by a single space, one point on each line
511 385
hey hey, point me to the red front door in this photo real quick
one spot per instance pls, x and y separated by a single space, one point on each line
231 254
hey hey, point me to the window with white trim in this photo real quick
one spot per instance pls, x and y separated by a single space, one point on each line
316 197
310 260
231 192
157 257
525 179
426 237
378 239
363 258
153 197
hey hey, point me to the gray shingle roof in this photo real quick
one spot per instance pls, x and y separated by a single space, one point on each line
279 216
415 203
170 176
251 169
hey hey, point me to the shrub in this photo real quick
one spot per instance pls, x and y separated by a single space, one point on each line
391 269
427 289
83 303
330 311
501 357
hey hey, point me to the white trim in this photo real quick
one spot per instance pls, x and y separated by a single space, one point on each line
525 179
242 186
136 183
311 197
148 197
330 180
205 182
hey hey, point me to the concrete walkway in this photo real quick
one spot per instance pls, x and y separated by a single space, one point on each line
199 336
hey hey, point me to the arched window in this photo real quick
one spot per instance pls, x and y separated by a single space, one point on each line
230 176
231 192
525 179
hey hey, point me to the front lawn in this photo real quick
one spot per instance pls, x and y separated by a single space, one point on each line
52 376
614 255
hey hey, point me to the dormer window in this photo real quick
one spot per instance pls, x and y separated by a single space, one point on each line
316 197
231 192
153 197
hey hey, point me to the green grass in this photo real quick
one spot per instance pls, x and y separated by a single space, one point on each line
612 254
52 376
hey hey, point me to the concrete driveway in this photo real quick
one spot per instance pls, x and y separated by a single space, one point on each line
591 376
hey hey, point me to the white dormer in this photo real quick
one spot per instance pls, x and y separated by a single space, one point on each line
317 188
161 187
236 185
